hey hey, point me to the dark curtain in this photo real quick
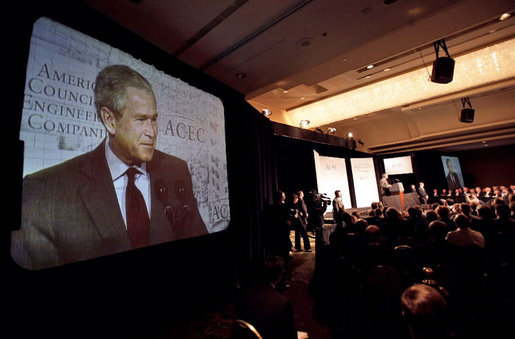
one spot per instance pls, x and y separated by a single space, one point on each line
252 179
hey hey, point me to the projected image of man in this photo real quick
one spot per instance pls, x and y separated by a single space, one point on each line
453 179
125 194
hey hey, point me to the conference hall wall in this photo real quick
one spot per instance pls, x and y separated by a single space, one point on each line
153 287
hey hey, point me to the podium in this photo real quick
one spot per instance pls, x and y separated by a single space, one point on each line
398 189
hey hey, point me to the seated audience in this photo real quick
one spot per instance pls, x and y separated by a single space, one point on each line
261 305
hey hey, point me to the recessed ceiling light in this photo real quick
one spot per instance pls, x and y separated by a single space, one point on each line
285 91
302 98
387 69
504 16
370 66
350 135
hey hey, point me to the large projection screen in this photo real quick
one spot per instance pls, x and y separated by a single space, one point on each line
365 183
59 122
398 165
331 173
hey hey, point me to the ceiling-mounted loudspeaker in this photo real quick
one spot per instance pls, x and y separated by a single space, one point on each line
443 70
467 115
443 67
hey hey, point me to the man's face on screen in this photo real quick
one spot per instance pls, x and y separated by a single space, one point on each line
135 130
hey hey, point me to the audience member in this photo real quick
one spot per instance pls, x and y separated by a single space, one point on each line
464 236
261 305
444 214
276 225
426 313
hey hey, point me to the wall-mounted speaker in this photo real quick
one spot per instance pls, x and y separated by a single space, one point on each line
443 70
467 115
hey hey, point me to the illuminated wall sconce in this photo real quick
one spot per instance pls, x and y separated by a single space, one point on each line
304 123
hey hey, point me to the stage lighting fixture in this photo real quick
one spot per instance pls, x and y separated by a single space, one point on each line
266 112
443 67
467 114
304 123
331 130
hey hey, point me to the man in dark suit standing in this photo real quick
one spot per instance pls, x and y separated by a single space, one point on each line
422 194
123 195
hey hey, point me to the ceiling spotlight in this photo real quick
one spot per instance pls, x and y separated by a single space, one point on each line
443 67
504 16
266 112
331 130
370 66
304 123
285 91
350 135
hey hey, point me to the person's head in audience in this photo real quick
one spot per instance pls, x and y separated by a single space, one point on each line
484 212
443 212
465 209
379 212
502 211
372 234
425 311
462 221
498 201
273 269
431 215
415 211
437 230
394 214
361 225
374 205
434 206
348 219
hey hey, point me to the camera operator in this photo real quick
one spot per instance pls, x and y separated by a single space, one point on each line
317 205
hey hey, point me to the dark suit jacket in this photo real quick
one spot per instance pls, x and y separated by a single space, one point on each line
70 211
453 181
